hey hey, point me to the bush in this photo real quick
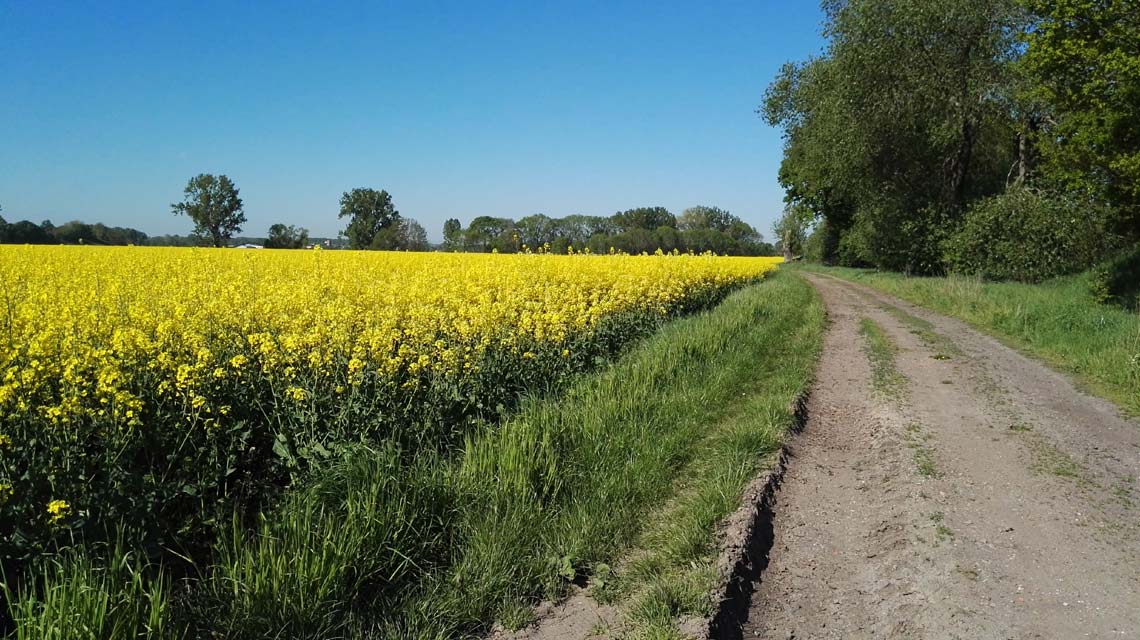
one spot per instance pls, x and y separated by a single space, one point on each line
1030 236
1117 281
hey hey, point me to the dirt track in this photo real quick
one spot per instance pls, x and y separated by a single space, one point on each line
988 498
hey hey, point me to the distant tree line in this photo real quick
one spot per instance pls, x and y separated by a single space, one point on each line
992 137
639 230
215 207
75 232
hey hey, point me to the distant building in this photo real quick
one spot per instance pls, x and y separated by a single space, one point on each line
249 246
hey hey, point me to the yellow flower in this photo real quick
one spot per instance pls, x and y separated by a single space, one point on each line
303 323
58 510
5 492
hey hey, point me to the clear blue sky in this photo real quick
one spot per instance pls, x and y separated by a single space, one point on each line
458 109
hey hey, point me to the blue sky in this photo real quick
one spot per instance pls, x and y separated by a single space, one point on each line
458 109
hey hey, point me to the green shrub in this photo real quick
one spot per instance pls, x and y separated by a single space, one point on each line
1030 236
1117 281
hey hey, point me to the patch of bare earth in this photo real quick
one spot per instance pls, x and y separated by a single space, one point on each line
988 499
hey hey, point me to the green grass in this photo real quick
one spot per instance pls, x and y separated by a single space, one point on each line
1057 321
881 352
393 543
85 598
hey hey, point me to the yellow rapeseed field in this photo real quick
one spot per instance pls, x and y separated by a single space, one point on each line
210 358
82 324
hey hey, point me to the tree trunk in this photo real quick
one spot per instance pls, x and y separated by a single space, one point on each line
960 166
1027 150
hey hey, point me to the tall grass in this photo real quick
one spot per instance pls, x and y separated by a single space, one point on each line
411 544
86 598
1058 321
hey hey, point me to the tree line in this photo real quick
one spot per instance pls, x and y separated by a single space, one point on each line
639 230
75 232
993 137
214 205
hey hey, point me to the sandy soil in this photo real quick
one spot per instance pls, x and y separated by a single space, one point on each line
989 499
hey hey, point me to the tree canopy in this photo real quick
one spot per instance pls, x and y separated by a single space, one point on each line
213 204
705 229
283 236
1083 61
370 214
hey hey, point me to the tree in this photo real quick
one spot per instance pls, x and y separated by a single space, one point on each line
745 237
1083 58
370 212
903 122
213 204
413 236
648 218
702 217
636 241
702 240
791 231
286 237
535 231
486 233
452 235
27 232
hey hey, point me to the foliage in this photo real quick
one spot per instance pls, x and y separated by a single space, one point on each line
452 235
822 244
26 232
1083 59
705 229
1118 280
791 230
647 218
286 237
1030 236
901 123
412 236
487 233
372 219
702 217
213 204
74 232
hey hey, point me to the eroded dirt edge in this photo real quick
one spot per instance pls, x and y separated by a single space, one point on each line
746 538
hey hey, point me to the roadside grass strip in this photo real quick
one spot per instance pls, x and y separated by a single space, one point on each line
670 571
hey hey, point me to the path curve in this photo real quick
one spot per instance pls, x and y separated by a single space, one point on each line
988 498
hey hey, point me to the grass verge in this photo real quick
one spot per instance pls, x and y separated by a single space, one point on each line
409 544
1057 321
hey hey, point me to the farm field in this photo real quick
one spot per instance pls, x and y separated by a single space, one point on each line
292 442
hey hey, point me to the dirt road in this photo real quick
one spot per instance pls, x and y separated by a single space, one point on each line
974 494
